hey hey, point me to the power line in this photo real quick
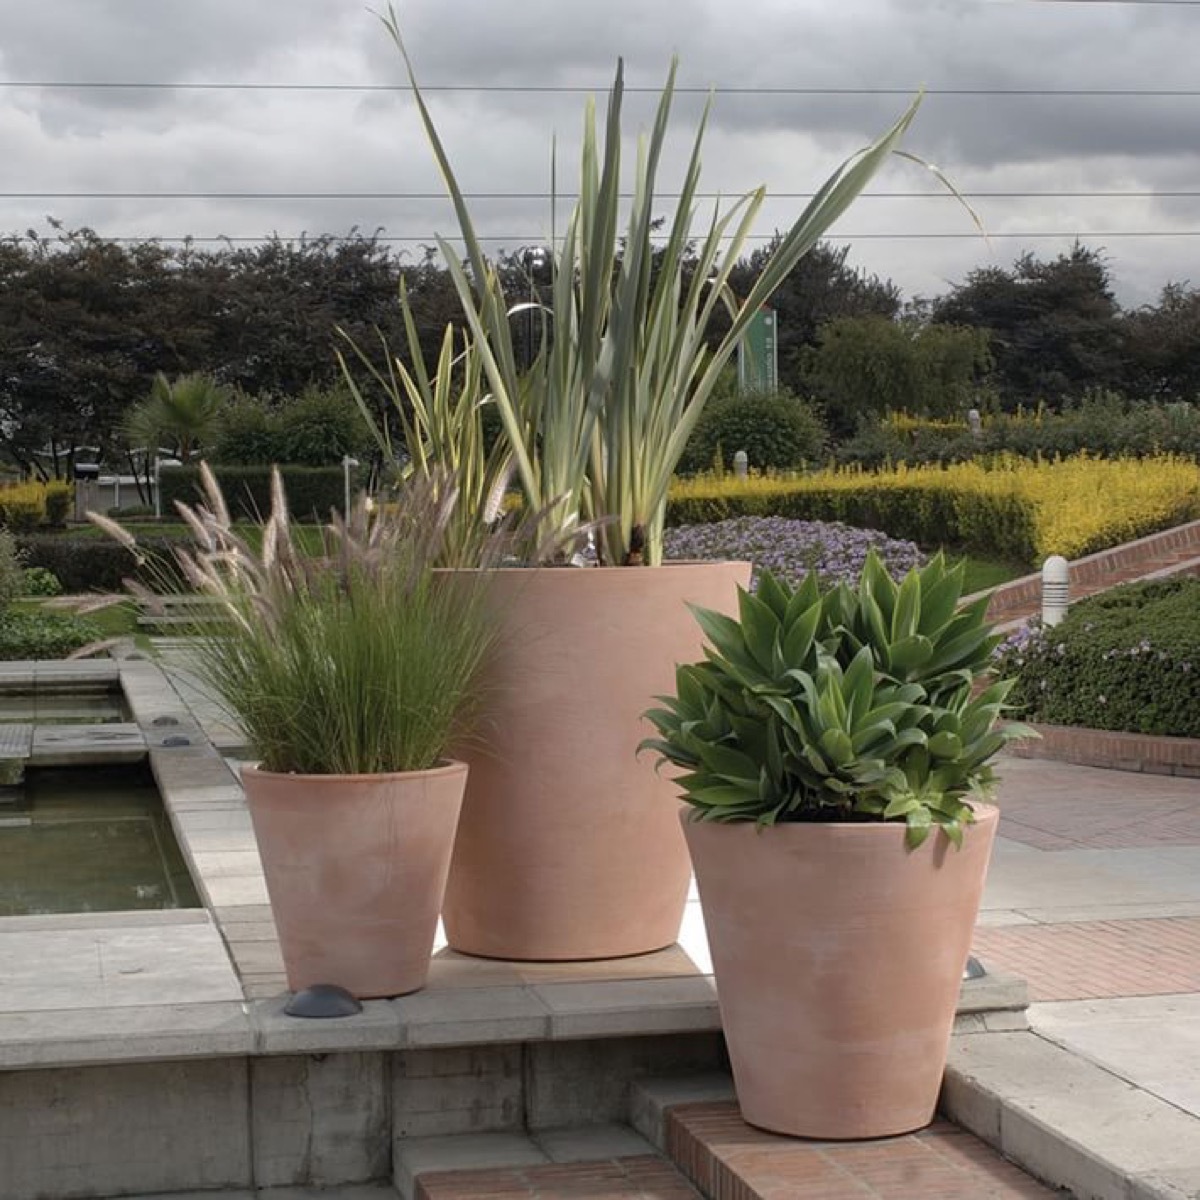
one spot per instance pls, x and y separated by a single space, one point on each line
546 196
577 89
537 238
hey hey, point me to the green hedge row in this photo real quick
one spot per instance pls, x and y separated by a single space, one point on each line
999 527
312 492
96 564
1126 660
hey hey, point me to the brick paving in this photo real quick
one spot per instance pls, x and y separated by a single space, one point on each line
730 1160
1052 807
1098 959
647 1177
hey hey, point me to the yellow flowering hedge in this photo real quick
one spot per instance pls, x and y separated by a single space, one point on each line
25 506
1011 509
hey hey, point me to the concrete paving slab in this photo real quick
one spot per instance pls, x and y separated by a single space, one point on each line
114 967
591 1143
1131 1043
377 1027
1064 1118
81 1037
475 1016
1048 880
585 1010
80 745
417 1156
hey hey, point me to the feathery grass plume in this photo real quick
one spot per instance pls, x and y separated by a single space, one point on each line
361 660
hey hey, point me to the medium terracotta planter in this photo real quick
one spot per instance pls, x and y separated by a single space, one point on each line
569 846
838 956
356 867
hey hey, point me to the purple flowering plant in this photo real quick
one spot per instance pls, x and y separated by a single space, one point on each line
790 549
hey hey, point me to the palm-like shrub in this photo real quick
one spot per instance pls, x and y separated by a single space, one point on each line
596 425
840 704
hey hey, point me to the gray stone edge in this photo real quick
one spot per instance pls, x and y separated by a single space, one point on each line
1066 1120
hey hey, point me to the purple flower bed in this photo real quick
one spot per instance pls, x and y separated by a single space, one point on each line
790 549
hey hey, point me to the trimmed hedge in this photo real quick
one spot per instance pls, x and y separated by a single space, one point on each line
778 431
94 564
43 635
1011 509
1126 660
312 492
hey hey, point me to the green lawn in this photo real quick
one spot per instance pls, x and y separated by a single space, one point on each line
985 573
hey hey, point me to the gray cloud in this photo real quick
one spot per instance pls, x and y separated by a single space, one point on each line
185 140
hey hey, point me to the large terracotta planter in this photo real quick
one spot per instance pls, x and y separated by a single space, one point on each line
356 867
838 957
569 846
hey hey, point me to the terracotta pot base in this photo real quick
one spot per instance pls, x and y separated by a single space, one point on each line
356 868
838 956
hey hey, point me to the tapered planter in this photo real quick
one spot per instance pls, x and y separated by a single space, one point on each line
838 956
356 868
569 846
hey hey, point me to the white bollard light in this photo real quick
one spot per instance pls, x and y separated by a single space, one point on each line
741 464
1055 589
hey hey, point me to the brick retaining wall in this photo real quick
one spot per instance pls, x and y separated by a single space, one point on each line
1118 751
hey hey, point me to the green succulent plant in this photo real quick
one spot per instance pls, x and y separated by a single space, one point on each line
846 703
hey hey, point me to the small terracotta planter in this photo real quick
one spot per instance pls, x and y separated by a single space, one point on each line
356 869
838 956
569 846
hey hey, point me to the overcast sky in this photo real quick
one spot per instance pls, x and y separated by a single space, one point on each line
254 140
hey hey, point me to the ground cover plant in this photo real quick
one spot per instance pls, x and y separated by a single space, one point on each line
790 549
1128 660
1011 509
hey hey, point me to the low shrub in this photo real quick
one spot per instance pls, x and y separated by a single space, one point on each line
60 499
37 581
776 430
11 573
1128 660
86 563
23 506
312 491
40 635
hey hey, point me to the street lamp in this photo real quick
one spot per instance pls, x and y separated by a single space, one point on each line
348 464
534 259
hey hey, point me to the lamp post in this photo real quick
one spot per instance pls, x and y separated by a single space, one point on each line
348 464
534 259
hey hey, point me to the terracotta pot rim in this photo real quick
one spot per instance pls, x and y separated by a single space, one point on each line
983 811
563 571
449 766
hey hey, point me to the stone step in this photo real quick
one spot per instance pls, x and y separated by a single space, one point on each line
602 1162
696 1122
1069 1121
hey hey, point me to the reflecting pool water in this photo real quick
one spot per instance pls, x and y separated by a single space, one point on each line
63 708
93 839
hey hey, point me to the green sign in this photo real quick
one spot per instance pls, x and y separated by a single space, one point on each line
758 354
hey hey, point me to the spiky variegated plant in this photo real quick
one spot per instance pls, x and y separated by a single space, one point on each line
845 704
597 424
359 661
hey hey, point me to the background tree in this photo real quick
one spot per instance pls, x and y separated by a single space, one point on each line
1162 345
819 289
1054 326
863 367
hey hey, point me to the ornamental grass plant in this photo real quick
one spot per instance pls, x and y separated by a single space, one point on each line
357 661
